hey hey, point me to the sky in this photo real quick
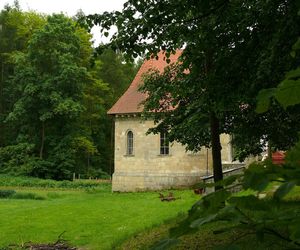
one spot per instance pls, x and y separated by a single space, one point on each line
70 8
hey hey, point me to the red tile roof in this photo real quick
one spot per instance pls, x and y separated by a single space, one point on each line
130 101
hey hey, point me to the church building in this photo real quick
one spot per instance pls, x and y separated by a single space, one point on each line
149 162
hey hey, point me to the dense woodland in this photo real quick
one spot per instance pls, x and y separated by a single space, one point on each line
54 94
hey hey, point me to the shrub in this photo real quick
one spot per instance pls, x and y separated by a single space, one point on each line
29 196
6 193
18 181
16 158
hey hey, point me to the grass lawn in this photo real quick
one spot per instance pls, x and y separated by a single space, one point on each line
90 220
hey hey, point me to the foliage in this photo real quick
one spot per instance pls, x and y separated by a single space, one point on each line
54 96
48 81
115 75
117 72
287 93
6 193
17 28
274 214
27 196
249 38
16 158
18 181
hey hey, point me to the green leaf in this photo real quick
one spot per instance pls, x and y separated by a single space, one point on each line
295 230
293 74
288 92
229 180
296 46
263 100
201 221
284 189
260 235
293 54
214 201
293 155
255 178
231 214
250 202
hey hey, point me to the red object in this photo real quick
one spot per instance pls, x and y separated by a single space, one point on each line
278 157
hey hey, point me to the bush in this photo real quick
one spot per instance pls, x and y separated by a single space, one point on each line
29 196
18 181
12 194
16 158
6 193
96 173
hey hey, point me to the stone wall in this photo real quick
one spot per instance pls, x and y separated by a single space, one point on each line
147 169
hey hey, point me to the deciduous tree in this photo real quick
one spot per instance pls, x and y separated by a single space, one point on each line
232 50
49 81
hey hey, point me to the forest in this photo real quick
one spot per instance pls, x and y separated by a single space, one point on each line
54 94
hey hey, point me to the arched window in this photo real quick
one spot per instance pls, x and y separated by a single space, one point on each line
129 146
164 143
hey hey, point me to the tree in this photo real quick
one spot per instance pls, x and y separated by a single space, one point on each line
115 71
112 69
277 214
249 38
16 28
287 92
93 123
49 80
49 76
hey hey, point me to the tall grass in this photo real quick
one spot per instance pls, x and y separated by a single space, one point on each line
18 181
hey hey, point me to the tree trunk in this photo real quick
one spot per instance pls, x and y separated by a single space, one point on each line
215 132
216 149
42 140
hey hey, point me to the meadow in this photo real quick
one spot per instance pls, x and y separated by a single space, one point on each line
87 216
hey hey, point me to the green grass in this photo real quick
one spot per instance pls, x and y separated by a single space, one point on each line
91 219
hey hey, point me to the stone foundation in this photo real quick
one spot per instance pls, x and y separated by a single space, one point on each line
132 182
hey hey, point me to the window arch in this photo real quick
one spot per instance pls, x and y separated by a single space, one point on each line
129 143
